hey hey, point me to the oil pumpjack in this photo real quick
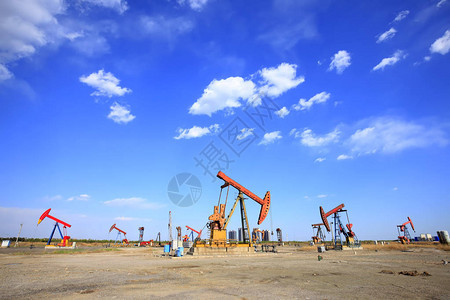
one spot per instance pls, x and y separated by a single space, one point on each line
406 237
350 236
218 222
319 235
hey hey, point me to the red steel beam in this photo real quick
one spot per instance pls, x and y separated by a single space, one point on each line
324 215
265 203
114 227
46 215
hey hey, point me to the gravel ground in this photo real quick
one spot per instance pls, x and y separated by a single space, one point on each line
144 273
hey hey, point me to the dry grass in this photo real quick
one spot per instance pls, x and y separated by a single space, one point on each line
390 246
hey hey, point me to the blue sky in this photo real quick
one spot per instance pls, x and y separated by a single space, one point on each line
320 102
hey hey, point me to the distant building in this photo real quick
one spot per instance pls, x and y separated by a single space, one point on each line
266 235
232 235
240 234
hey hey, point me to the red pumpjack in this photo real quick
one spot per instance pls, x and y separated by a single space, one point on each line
65 237
405 238
119 232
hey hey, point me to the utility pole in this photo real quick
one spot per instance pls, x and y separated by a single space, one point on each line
17 240
170 227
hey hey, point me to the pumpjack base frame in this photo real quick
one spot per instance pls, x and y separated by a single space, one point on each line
240 249
53 247
343 247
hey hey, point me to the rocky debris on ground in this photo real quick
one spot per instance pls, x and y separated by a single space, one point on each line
414 273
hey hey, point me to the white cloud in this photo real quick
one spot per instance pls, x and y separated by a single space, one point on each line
82 197
440 3
226 94
270 137
245 132
26 26
390 135
72 36
344 157
389 61
401 15
340 61
222 94
166 27
442 44
196 132
395 188
5 74
120 114
106 84
196 5
322 196
278 80
118 5
283 112
320 159
307 104
308 138
133 202
387 35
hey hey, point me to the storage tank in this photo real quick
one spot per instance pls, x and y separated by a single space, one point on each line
443 237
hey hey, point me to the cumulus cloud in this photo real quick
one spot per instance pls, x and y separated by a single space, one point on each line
118 5
320 159
25 26
391 135
5 74
344 157
283 112
401 15
304 104
133 202
221 94
229 93
389 61
340 61
387 35
120 114
308 138
270 137
278 80
196 132
245 132
442 44
106 84
82 197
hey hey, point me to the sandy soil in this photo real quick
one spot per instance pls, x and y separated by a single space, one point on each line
143 273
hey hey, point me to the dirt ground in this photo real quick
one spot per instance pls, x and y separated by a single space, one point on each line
292 273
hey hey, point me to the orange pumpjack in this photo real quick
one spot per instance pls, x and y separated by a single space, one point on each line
218 223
